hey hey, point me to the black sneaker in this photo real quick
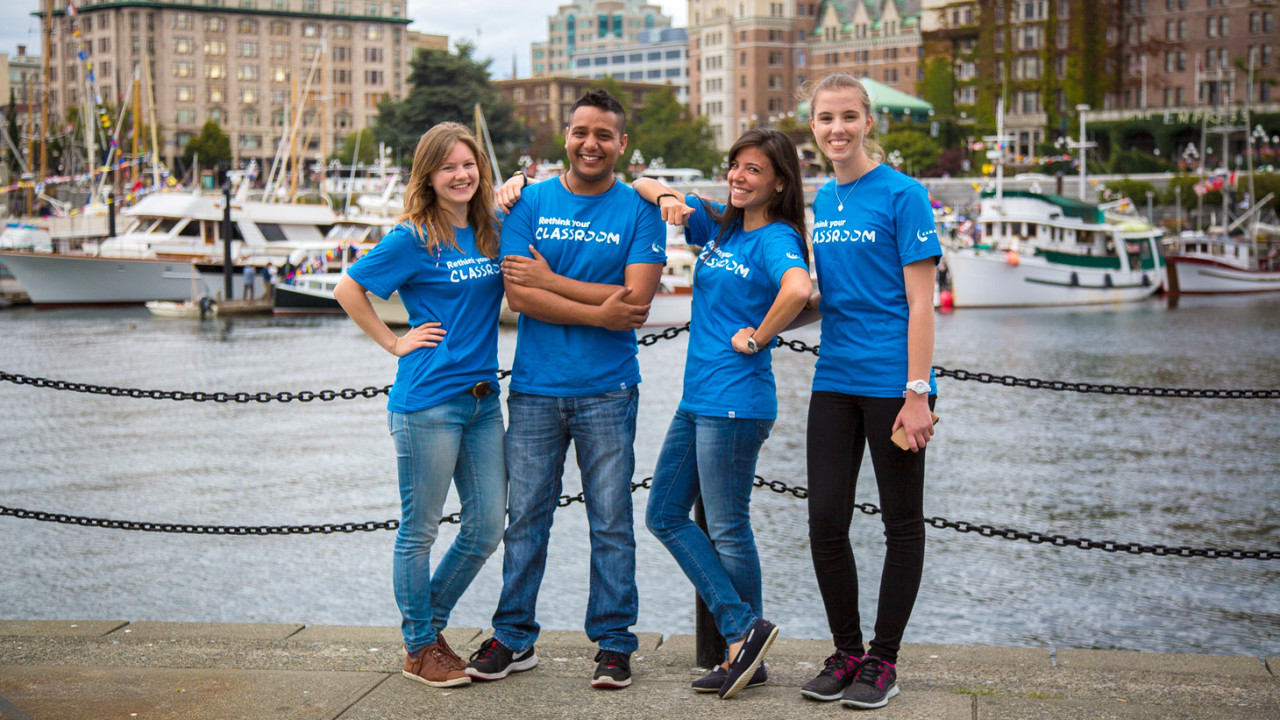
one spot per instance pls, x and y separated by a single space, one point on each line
714 680
494 661
837 673
877 681
744 666
613 670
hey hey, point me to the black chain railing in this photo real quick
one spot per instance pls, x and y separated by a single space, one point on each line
645 340
777 486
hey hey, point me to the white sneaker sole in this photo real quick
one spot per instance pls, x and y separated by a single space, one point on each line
872 705
437 683
609 683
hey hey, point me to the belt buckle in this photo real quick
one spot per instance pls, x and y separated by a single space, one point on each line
481 390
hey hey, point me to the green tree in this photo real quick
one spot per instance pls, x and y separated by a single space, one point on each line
919 152
368 150
446 86
211 145
665 128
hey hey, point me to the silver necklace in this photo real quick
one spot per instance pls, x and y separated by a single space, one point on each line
840 205
840 201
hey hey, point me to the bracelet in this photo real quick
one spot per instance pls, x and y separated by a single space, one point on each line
658 201
524 178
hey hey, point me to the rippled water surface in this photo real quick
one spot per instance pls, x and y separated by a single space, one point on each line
1106 467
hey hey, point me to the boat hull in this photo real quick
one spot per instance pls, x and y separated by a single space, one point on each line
1198 276
54 280
295 300
987 279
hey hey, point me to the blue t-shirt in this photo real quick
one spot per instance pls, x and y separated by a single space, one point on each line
887 223
736 282
460 289
591 238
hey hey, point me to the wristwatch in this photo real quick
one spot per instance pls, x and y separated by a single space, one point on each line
919 387
752 346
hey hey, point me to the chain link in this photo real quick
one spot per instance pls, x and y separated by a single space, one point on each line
668 334
777 486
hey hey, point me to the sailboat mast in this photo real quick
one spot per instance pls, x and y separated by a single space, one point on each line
46 27
155 139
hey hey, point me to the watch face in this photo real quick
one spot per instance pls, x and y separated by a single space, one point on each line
919 387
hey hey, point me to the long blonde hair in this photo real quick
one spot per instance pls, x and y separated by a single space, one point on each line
421 205
845 81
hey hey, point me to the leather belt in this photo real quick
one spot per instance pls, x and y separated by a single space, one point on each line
481 389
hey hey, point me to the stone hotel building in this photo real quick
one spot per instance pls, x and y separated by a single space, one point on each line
244 64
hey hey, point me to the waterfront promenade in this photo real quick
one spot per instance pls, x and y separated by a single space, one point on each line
100 669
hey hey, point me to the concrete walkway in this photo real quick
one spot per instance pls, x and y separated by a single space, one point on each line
196 671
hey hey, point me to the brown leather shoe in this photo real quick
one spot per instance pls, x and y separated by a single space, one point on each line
436 665
461 664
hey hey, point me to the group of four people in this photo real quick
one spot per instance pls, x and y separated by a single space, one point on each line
580 258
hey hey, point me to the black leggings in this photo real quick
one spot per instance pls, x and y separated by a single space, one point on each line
840 426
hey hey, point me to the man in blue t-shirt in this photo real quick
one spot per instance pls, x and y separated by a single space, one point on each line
582 256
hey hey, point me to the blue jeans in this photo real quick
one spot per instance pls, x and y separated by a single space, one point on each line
714 458
603 429
459 439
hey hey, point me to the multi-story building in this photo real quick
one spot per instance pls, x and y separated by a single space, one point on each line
747 61
591 25
659 56
1115 60
249 67
880 42
21 78
543 103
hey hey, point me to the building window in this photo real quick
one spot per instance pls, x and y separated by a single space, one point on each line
214 23
215 47
310 29
184 93
341 31
373 55
182 46
247 49
183 69
373 77
372 32
342 76
185 116
247 27
216 94
247 72
183 21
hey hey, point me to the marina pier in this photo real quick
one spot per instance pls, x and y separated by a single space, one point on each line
89 670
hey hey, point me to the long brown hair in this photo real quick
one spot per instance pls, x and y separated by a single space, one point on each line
786 206
845 81
421 205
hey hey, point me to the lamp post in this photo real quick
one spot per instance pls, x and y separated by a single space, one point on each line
1083 146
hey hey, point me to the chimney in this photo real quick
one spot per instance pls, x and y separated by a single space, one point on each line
22 50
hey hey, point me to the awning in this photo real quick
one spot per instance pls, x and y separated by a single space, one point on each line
886 99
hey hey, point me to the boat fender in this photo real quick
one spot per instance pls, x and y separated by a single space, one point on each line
946 301
1075 279
1012 258
1106 281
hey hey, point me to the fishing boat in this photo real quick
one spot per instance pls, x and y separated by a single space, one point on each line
1038 249
1203 264
1043 250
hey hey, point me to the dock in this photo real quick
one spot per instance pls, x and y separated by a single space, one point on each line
99 669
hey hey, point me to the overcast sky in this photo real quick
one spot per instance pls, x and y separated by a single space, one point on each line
498 27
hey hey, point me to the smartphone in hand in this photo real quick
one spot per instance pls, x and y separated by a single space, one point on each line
899 436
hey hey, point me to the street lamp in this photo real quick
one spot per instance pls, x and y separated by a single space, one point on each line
1083 146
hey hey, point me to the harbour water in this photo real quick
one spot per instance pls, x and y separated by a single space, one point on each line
1105 467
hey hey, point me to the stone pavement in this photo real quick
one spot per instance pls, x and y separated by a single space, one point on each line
68 670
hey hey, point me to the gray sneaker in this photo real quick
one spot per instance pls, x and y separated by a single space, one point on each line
837 674
877 681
